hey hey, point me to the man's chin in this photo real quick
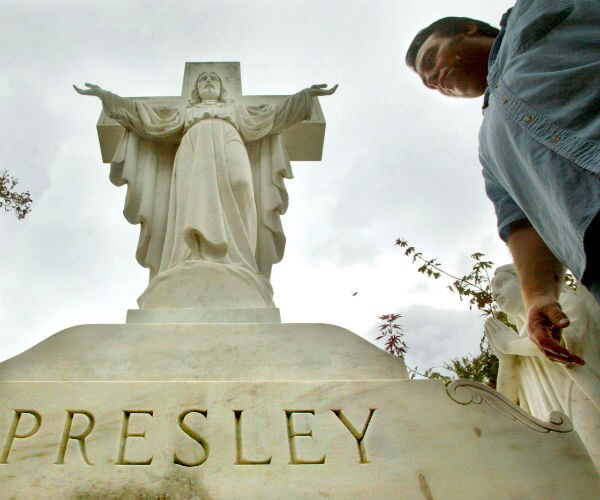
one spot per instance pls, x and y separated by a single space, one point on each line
462 93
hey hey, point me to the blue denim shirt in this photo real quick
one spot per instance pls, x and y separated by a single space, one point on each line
539 142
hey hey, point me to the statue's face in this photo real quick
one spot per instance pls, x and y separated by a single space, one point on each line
507 292
209 86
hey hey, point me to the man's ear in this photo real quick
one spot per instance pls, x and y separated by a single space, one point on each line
470 29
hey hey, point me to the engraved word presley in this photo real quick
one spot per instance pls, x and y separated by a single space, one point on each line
26 424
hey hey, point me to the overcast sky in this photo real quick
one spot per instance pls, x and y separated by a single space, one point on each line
399 160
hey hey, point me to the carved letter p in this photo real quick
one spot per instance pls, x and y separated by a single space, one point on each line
12 433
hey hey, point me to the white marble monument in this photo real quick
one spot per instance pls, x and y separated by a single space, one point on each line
203 393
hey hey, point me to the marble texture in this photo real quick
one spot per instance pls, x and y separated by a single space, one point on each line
204 315
166 352
280 440
201 285
270 411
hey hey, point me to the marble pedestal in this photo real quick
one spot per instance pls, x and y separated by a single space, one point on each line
269 411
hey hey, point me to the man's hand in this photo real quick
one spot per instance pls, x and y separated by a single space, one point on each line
540 275
545 322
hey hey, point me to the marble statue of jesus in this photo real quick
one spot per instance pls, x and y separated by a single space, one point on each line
210 175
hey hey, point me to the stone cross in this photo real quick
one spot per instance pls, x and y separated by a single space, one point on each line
304 141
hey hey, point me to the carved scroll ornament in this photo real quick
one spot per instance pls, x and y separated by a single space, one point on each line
467 392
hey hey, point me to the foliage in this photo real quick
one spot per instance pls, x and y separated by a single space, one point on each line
19 203
394 343
570 281
392 332
430 373
476 287
483 367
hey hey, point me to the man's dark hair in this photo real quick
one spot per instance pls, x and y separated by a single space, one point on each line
447 26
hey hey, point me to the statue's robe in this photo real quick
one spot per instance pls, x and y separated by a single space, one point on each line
541 386
206 182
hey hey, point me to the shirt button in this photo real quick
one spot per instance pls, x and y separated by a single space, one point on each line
528 118
555 138
496 85
504 100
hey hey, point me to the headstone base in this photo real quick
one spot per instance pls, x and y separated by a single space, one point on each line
269 411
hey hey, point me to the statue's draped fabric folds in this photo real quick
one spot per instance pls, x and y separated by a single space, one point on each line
206 181
539 385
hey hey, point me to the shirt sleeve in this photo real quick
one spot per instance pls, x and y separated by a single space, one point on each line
507 211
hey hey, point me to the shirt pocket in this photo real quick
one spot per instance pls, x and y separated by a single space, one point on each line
536 23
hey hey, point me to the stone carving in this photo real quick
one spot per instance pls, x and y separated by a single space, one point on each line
537 384
467 392
205 181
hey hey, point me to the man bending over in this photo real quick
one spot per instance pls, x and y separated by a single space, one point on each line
539 143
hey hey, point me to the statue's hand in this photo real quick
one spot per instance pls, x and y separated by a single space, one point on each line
92 89
545 322
321 89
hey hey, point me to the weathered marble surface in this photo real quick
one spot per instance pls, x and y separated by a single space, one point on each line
225 352
281 440
200 401
204 315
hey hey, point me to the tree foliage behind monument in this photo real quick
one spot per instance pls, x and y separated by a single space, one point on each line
476 287
11 200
